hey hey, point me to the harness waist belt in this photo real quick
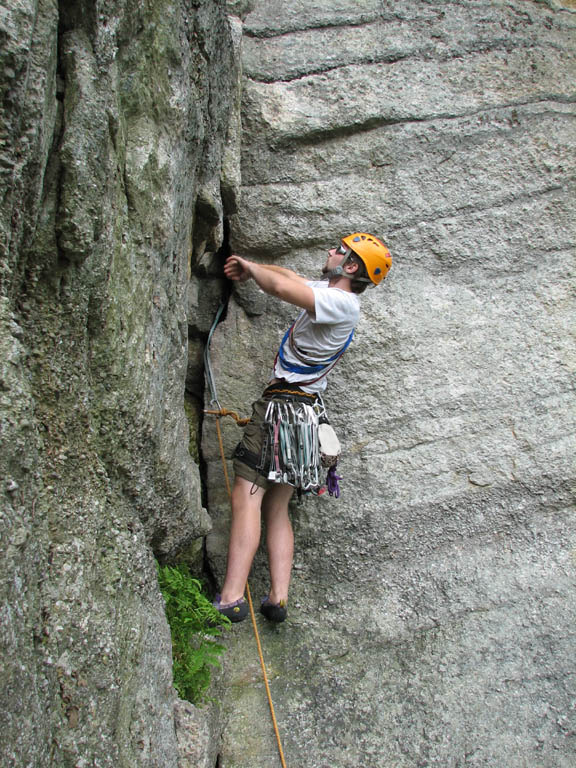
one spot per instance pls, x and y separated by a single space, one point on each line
289 392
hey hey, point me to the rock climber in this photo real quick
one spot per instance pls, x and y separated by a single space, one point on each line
267 469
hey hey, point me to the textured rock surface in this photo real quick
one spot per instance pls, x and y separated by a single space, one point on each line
116 172
432 615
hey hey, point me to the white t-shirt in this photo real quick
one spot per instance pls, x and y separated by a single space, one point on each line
320 337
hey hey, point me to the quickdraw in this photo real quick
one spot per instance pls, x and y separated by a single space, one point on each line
293 446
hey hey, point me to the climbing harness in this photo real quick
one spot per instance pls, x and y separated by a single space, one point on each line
219 412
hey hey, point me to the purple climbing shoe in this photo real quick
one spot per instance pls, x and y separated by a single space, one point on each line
236 611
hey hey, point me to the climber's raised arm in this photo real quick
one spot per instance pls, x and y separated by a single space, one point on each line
276 281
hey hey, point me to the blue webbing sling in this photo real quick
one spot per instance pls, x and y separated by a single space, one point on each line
305 369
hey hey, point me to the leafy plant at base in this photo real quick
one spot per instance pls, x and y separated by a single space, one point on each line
194 625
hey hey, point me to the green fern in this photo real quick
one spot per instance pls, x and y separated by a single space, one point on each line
194 625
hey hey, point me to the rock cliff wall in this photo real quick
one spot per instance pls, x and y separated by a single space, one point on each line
118 159
432 614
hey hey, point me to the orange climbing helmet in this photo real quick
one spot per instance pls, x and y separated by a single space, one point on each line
374 254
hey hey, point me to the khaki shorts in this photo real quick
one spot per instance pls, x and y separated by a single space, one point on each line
248 460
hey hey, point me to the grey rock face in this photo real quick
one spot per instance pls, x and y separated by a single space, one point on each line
116 173
432 612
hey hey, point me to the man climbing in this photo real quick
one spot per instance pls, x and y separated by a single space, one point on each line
279 450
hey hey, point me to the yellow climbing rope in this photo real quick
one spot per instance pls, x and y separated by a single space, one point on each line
219 413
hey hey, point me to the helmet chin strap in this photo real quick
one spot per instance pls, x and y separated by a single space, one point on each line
337 271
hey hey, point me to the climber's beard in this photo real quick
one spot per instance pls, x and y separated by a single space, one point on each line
332 266
329 265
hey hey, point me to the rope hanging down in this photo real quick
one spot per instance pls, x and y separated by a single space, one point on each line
207 361
219 412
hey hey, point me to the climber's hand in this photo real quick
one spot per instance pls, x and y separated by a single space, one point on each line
237 268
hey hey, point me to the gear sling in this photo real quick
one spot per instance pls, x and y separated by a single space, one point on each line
298 441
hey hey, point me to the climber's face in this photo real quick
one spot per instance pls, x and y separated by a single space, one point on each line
336 257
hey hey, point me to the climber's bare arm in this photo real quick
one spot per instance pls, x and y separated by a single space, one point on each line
288 272
277 281
233 268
